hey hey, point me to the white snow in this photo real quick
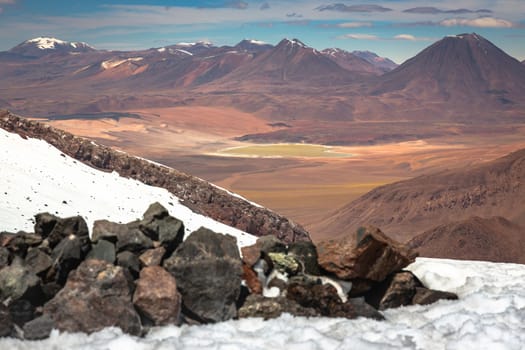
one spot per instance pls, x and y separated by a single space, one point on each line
36 177
489 315
257 42
184 52
112 63
162 49
48 43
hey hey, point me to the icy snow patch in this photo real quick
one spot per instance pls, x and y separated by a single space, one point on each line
36 177
489 315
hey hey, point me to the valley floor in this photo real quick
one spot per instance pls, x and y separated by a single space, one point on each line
303 182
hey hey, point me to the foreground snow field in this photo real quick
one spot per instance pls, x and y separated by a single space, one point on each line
36 177
489 315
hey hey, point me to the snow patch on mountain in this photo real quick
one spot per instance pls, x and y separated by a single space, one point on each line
48 43
489 315
36 177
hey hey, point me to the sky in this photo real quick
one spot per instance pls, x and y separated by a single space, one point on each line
397 29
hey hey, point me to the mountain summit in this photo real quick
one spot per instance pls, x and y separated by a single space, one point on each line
465 68
42 46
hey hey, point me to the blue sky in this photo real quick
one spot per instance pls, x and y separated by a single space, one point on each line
397 29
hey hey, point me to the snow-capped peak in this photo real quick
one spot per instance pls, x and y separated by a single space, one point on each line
256 42
49 43
294 42
201 43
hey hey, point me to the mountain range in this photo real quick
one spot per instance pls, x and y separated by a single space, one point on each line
461 79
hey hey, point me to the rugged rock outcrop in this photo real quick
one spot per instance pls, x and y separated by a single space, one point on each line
97 295
208 270
197 194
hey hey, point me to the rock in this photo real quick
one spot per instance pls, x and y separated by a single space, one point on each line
306 253
6 324
424 296
19 243
155 211
395 291
325 300
38 261
44 224
102 250
17 282
39 328
160 226
125 236
72 226
208 270
21 311
367 254
265 244
129 261
5 257
285 263
96 295
252 280
152 257
107 230
50 289
68 254
258 306
156 296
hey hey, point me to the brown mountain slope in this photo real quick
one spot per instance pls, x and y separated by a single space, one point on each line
466 71
494 239
407 208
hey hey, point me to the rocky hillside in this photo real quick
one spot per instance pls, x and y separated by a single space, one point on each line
494 239
408 208
199 195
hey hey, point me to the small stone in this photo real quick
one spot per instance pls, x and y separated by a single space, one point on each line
6 323
5 256
152 257
21 311
265 244
285 263
395 291
44 224
252 280
134 241
72 226
129 261
38 261
39 328
306 253
17 282
156 296
102 250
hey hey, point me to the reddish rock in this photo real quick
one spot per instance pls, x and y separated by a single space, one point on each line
152 257
252 281
97 295
266 244
156 296
367 254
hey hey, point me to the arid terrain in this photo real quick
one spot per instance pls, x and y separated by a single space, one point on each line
301 131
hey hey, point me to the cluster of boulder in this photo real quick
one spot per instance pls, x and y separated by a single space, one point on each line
143 274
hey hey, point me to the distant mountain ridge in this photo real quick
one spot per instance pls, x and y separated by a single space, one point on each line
42 46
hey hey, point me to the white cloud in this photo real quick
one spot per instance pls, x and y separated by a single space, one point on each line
360 36
482 22
354 24
405 37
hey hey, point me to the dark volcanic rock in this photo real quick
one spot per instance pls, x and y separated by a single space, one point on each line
39 328
129 261
367 254
107 230
125 236
160 226
21 311
197 194
267 308
44 224
424 296
6 323
96 295
156 296
306 253
397 290
265 244
38 261
73 226
17 282
102 250
5 257
208 270
68 254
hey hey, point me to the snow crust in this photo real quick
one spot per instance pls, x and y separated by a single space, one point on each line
257 42
48 43
36 177
489 315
